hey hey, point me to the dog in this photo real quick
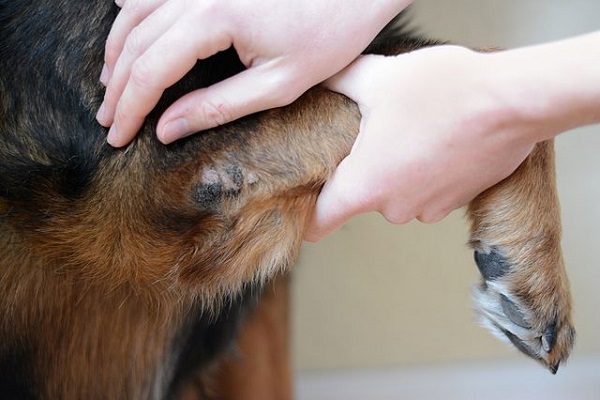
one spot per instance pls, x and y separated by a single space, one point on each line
132 273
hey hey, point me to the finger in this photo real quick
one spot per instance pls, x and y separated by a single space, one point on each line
338 202
352 81
253 90
128 18
138 41
160 67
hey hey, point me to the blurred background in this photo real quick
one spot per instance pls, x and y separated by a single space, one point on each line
384 312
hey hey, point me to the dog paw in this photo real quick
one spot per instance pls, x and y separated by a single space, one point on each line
525 304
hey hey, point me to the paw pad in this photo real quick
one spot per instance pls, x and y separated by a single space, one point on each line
534 332
491 265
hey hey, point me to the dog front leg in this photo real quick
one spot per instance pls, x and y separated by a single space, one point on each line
515 232
259 367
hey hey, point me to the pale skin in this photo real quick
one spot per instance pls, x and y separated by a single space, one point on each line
441 125
438 127
287 45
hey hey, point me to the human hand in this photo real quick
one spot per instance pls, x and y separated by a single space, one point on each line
436 131
288 46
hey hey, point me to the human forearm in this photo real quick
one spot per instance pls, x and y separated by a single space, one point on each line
440 125
554 85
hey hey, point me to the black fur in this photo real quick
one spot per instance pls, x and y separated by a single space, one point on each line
51 54
207 339
16 380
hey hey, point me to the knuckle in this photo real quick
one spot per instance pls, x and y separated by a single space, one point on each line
134 44
398 212
426 219
432 216
141 73
398 217
215 112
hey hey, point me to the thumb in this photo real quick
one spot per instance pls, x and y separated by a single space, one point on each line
340 199
354 81
253 90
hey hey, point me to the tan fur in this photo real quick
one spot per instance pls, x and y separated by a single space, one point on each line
105 277
521 215
103 286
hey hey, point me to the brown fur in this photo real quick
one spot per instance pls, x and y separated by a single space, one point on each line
260 367
522 216
101 283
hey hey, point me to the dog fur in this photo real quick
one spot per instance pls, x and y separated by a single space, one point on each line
126 274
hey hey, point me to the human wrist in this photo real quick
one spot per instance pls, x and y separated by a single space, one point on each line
554 86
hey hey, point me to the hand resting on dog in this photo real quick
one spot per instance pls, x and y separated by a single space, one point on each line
288 47
441 125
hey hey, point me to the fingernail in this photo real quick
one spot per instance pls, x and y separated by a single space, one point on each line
113 136
174 130
104 75
100 115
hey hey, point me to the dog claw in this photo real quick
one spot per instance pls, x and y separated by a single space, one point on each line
549 338
545 338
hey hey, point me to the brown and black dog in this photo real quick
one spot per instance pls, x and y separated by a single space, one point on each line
126 274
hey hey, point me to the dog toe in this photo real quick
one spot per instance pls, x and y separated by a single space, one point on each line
505 308
512 311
